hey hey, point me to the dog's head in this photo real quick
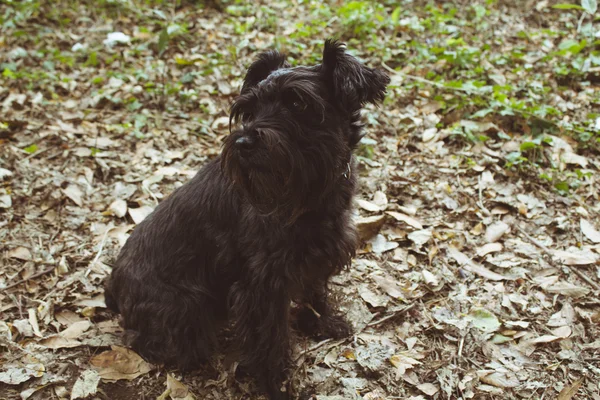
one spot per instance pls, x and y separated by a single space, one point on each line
296 127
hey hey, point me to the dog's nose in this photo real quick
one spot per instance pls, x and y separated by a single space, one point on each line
246 142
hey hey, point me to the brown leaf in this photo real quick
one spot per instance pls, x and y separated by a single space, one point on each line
76 329
501 379
20 253
59 342
178 391
120 363
570 391
406 219
369 226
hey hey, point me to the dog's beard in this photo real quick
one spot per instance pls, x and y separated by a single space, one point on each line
266 182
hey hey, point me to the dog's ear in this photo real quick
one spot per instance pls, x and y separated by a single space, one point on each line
353 83
266 63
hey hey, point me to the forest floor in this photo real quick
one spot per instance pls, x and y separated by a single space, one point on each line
479 274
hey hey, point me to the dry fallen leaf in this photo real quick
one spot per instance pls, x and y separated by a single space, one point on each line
570 391
430 278
76 329
483 320
374 299
59 342
468 264
120 363
406 219
96 301
544 339
118 208
380 244
489 248
367 205
5 201
564 317
501 379
34 322
428 388
5 173
17 374
562 332
86 385
68 337
369 226
495 231
20 253
139 214
419 238
568 289
575 256
177 390
389 286
67 317
74 193
403 362
589 231
380 199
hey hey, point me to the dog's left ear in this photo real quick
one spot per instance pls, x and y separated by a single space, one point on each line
354 84
261 68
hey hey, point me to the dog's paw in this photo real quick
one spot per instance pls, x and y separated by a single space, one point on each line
335 327
323 326
278 395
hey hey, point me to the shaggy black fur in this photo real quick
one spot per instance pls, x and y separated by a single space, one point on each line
262 225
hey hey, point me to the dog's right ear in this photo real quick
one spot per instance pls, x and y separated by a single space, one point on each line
353 83
261 68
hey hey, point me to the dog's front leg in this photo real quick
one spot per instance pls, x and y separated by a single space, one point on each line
319 316
262 335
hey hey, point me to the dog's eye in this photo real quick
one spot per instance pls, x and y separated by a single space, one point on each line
298 105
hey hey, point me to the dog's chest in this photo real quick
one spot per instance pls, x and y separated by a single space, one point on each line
316 244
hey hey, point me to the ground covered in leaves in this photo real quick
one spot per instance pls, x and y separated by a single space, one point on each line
479 274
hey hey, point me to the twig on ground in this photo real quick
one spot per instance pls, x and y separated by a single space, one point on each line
480 203
427 81
17 283
549 252
89 269
390 316
35 154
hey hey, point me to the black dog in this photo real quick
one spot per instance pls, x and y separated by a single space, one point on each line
264 224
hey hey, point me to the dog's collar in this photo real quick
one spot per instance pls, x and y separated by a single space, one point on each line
348 172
